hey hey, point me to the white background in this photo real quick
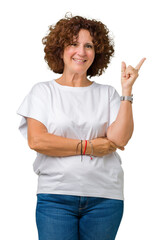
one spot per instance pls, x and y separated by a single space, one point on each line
136 29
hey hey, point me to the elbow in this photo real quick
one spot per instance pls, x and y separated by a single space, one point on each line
123 141
119 140
33 143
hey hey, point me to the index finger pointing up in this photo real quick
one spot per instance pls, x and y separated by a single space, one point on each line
140 64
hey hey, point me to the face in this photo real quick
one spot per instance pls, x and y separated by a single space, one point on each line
79 56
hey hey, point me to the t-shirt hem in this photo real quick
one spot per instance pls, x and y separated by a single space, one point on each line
108 195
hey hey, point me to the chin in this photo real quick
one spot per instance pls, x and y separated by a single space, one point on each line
79 71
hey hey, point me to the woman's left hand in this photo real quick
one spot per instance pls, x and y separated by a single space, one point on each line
128 76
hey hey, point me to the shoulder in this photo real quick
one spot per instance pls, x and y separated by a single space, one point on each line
41 88
111 90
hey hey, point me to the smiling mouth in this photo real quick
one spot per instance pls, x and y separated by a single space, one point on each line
79 60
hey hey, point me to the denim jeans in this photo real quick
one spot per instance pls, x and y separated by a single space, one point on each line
68 217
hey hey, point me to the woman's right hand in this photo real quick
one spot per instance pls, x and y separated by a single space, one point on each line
103 146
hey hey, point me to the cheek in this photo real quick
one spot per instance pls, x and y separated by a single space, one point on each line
68 52
92 56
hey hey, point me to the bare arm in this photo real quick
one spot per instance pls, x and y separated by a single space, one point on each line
49 144
121 130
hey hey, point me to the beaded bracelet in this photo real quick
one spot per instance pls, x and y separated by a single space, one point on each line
81 148
85 149
81 152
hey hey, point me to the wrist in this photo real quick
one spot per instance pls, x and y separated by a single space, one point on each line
126 92
88 148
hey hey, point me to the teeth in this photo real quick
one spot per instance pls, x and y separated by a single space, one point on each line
78 60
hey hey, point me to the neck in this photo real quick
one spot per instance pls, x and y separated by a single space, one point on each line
74 80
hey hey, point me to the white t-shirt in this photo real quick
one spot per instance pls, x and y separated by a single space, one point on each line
78 113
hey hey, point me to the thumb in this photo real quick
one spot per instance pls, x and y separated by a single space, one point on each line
121 148
123 69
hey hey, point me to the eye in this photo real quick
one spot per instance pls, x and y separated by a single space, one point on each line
89 46
73 44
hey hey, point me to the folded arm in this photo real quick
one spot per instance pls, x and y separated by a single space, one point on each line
49 144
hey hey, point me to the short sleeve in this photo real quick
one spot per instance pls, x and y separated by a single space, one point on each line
114 104
34 106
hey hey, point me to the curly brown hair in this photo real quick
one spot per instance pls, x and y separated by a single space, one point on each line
61 35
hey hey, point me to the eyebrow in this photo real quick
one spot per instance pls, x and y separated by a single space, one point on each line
86 42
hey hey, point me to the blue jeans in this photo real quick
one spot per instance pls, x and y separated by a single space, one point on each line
67 217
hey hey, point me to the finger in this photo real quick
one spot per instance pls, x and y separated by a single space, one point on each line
121 148
115 146
130 70
112 150
112 145
123 68
140 64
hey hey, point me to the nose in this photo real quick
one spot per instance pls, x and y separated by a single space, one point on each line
81 51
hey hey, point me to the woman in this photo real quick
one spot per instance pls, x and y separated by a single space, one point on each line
75 126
